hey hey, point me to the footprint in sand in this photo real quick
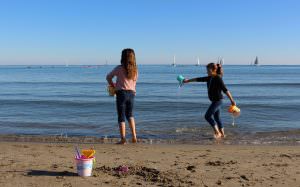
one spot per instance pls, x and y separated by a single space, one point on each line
67 185
285 156
244 177
219 182
191 168
220 163
229 178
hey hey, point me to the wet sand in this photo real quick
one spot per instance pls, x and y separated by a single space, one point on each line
52 164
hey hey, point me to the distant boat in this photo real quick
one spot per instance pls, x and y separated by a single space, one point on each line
256 62
106 62
174 62
220 60
198 62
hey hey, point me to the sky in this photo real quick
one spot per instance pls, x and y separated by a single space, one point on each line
95 31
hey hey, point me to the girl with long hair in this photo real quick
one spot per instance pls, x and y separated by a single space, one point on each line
215 87
125 86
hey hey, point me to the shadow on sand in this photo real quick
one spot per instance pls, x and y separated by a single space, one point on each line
50 173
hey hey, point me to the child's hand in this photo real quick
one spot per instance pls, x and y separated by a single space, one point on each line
185 80
233 103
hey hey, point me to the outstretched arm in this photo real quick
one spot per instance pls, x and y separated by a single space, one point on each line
198 79
190 80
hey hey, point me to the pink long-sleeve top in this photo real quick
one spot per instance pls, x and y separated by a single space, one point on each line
122 83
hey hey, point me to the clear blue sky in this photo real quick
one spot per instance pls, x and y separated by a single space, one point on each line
90 31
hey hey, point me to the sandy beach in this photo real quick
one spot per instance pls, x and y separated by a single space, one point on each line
52 164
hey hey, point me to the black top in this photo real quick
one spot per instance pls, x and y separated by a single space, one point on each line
215 85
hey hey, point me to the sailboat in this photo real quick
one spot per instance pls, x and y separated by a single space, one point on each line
198 62
174 62
256 61
220 60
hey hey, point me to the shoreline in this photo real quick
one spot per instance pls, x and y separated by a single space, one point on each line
289 138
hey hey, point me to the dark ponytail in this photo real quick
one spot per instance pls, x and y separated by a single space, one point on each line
212 66
220 70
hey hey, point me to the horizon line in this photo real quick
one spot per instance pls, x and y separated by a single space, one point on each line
143 64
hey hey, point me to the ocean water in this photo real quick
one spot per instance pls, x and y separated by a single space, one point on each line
54 100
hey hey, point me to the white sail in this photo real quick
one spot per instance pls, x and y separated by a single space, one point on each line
198 62
221 61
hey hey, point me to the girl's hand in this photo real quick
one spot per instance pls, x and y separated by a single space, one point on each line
185 80
233 103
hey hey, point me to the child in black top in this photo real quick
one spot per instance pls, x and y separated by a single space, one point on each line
215 86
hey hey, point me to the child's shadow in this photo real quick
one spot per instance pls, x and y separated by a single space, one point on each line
50 173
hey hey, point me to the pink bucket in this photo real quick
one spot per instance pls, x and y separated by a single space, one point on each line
84 166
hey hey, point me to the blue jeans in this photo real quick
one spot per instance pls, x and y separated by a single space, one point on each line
125 101
214 110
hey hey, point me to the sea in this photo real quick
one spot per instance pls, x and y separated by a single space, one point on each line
73 101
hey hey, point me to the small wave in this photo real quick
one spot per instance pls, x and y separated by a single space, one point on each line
56 83
139 83
56 103
265 85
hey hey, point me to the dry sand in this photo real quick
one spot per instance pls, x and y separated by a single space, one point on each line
52 164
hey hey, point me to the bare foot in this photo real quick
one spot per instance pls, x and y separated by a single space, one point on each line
222 132
122 142
134 140
217 136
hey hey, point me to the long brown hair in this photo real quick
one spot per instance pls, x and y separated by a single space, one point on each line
129 63
211 66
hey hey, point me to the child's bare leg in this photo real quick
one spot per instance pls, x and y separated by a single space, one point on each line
217 132
132 127
122 132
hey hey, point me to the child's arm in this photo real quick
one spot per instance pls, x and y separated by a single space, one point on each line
230 97
109 78
226 91
189 80
198 79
